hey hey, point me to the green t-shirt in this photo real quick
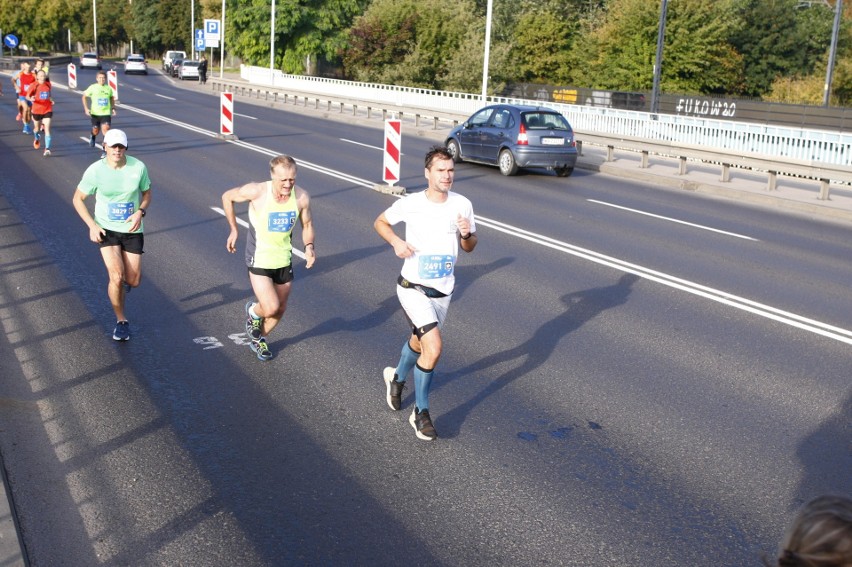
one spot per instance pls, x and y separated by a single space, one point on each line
118 192
101 96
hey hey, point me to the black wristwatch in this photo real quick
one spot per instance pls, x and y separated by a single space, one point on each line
142 210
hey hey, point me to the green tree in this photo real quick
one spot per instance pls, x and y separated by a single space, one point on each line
696 55
305 30
409 42
542 47
777 38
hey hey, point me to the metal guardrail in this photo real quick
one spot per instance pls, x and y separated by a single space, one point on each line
781 142
387 101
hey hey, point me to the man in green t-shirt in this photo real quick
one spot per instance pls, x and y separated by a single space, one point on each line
102 108
122 193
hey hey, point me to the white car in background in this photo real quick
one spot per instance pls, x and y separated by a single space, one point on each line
90 60
135 64
188 70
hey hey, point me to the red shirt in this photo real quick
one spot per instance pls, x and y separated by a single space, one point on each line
41 98
26 79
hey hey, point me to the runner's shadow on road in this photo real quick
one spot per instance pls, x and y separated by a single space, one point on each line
580 307
389 306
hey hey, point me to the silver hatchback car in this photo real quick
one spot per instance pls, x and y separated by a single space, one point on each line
513 137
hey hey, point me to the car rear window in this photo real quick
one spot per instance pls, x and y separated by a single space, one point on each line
545 121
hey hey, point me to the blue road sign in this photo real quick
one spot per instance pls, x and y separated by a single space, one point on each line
211 27
199 44
199 34
10 41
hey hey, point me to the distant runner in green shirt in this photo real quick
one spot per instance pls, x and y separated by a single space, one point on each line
102 108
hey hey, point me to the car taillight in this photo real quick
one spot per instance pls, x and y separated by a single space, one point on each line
522 136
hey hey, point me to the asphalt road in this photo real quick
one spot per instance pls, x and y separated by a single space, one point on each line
632 376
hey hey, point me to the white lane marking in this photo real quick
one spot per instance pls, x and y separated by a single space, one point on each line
246 116
785 317
243 223
365 145
647 214
361 144
161 96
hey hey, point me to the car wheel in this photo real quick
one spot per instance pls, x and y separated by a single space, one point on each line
507 163
454 149
564 171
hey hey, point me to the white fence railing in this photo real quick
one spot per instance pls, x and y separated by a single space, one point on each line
803 144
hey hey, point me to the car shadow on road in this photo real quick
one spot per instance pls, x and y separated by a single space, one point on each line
580 307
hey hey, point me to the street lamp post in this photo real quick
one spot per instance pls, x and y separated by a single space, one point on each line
272 41
95 23
832 53
487 51
658 61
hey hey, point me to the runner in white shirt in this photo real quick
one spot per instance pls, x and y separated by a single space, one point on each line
437 222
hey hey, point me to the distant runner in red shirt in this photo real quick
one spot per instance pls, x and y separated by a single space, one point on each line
42 110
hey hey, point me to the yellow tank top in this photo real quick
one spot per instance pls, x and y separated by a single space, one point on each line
268 245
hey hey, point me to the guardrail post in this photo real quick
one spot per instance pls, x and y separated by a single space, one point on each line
610 153
644 159
328 105
824 189
369 110
384 114
726 173
773 181
681 170
416 120
579 144
354 110
435 126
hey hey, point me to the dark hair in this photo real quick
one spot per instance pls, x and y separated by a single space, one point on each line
440 152
821 535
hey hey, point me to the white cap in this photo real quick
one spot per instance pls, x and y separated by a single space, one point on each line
114 138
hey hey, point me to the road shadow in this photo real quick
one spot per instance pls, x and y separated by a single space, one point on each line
826 457
580 307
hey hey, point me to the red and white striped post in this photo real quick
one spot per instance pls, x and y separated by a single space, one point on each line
112 81
226 115
393 150
393 153
72 76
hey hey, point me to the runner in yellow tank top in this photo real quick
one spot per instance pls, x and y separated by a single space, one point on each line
274 207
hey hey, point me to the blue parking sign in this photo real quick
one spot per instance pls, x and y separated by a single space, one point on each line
211 29
199 44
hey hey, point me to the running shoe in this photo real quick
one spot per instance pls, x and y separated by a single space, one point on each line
27 129
394 388
36 142
91 141
103 155
253 326
261 349
122 331
46 152
422 424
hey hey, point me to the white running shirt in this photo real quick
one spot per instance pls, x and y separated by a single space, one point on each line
431 229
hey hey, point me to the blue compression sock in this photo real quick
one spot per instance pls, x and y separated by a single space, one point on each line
422 383
47 142
407 359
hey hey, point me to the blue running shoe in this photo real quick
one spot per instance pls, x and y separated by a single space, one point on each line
261 349
122 331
